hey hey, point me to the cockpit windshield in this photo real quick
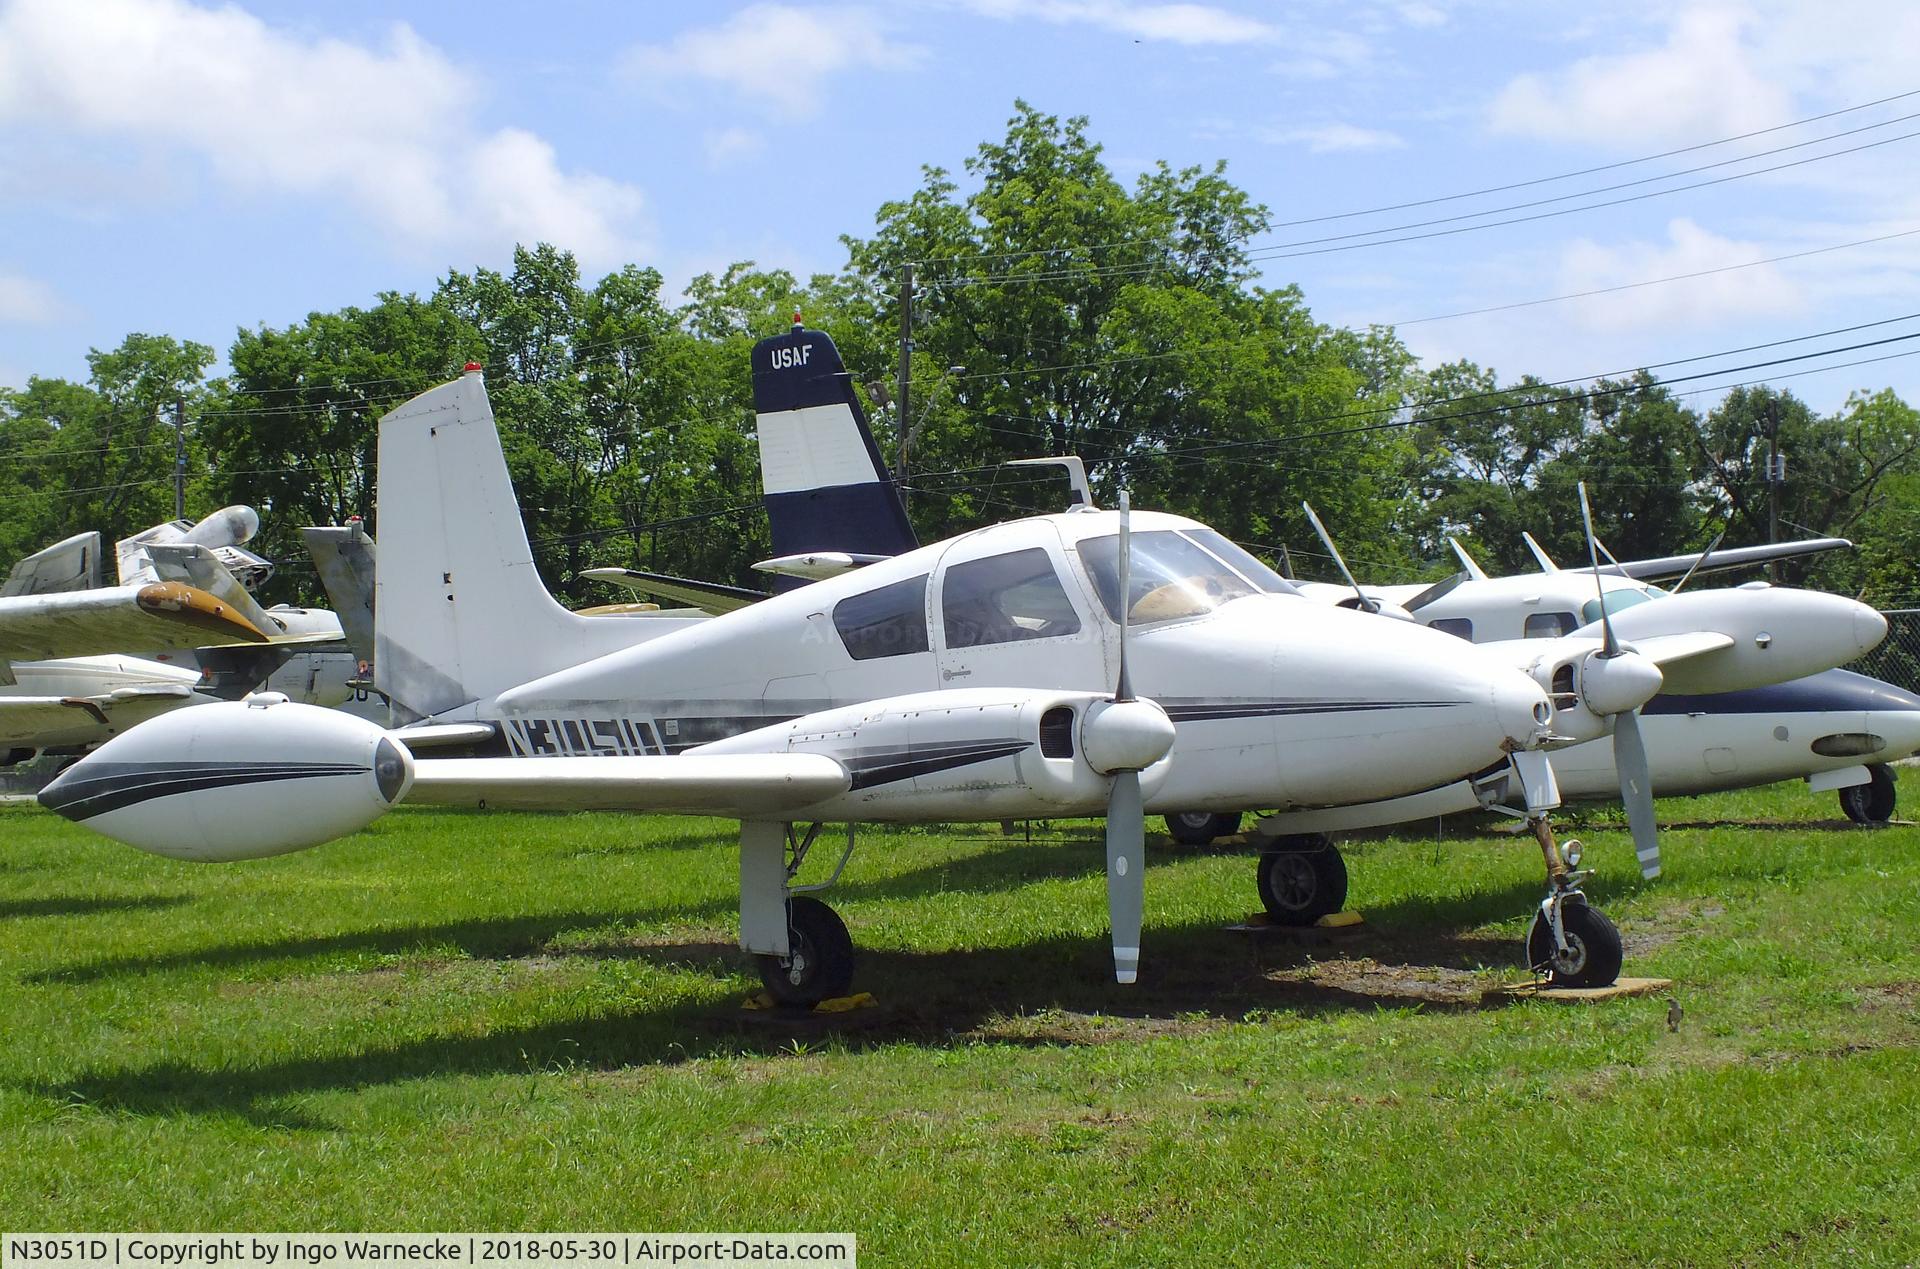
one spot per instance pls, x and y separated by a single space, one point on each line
1170 577
1617 601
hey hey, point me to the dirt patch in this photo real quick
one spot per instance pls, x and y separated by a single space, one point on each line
1902 994
1390 984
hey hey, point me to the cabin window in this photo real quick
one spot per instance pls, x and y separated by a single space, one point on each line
1005 599
1460 626
888 622
1549 625
1169 577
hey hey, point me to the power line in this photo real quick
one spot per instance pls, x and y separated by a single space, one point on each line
1476 193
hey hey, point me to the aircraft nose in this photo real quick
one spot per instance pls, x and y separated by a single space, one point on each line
1869 628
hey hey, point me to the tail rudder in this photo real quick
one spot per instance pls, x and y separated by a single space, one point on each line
460 612
826 487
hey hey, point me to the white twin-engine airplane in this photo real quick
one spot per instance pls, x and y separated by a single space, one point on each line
986 677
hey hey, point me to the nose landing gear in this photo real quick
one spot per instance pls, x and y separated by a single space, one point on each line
1571 942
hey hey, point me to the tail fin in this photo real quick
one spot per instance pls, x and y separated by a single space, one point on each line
344 557
460 612
826 488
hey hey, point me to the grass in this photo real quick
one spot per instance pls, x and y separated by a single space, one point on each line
459 1021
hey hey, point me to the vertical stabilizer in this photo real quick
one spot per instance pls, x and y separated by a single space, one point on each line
826 488
460 613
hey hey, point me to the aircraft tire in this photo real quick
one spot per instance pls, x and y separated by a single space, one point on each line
1872 802
1199 828
1594 952
821 964
1303 881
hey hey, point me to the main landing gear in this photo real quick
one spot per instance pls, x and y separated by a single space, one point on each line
1571 942
1199 828
799 944
1302 878
1872 802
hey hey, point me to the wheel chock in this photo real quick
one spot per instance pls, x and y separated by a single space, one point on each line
1618 989
761 1002
1334 925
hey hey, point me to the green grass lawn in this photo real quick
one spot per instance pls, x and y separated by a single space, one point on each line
473 1021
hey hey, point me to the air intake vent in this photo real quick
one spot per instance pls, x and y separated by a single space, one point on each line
1056 732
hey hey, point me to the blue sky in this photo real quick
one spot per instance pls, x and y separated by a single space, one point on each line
191 168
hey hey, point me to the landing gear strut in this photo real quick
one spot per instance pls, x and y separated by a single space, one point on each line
1302 878
1571 942
799 944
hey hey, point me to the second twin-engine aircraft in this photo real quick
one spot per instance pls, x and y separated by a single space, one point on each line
989 676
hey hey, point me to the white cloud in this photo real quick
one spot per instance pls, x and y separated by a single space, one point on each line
275 112
1422 15
1330 138
1706 80
778 55
1190 24
729 145
1680 307
27 301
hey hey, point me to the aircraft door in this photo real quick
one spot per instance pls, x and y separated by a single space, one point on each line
1009 612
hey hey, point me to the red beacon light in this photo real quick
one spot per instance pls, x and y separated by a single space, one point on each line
470 367
796 319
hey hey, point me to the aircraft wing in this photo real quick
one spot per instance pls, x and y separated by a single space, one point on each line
157 616
36 722
713 597
1729 557
1665 650
747 785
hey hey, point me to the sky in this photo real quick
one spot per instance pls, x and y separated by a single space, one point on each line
190 168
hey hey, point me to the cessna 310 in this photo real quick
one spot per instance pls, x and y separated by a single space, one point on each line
986 677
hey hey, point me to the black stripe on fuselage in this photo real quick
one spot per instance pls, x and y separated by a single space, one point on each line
1829 691
873 767
115 786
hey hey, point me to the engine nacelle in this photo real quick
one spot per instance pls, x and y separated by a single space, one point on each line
1779 634
974 754
237 780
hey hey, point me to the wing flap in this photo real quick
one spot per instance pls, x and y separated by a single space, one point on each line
734 785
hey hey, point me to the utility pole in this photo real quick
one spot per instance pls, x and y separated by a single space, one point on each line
1776 473
902 416
179 458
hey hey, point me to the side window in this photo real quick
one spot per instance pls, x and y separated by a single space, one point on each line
1005 598
1460 626
1549 625
888 622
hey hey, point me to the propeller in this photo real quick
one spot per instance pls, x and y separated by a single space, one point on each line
1704 557
1629 750
1326 540
1122 737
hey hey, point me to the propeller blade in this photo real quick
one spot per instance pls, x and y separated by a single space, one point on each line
1612 647
1326 540
1636 790
1126 873
1704 556
1123 690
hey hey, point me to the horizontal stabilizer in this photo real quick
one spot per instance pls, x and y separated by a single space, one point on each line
713 597
814 565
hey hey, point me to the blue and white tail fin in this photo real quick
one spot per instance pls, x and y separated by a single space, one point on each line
460 613
827 490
